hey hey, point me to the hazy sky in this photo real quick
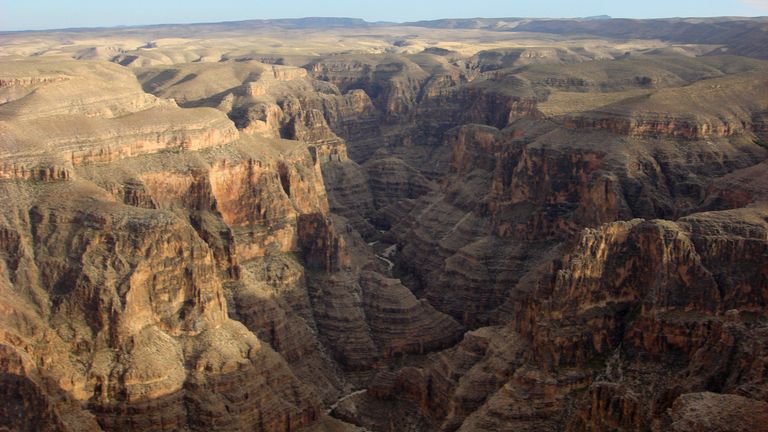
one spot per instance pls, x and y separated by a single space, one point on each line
46 14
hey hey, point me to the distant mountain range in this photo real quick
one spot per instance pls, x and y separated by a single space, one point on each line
744 36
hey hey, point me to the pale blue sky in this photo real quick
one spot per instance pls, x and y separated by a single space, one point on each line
46 14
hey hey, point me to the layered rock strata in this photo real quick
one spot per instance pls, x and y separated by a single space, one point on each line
522 246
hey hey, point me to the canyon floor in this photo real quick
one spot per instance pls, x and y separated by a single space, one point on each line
333 225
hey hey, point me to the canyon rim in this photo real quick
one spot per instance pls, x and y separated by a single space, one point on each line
329 224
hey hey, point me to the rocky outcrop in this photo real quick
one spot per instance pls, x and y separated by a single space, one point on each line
715 412
447 388
482 101
737 189
279 101
260 119
269 100
608 406
271 298
554 181
351 116
692 248
392 82
26 391
674 127
255 206
606 352
262 201
539 184
349 194
722 107
309 126
337 306
30 81
448 246
551 190
400 323
99 115
391 180
364 318
694 314
106 270
141 258
140 140
287 73
323 248
530 401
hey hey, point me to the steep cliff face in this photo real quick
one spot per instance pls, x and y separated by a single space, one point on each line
133 263
349 194
392 180
268 100
284 102
737 189
351 116
365 318
663 126
681 297
456 382
721 107
116 285
511 202
706 279
613 337
259 206
392 82
555 181
537 184
223 256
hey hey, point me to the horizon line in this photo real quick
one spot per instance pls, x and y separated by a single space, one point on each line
378 22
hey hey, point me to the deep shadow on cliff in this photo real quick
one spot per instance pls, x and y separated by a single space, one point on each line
401 236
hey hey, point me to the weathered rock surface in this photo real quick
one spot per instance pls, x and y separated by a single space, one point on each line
367 319
399 233
539 184
715 412
102 291
100 114
393 82
511 203
700 316
391 180
280 101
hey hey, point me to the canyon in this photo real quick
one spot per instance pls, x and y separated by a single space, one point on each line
331 225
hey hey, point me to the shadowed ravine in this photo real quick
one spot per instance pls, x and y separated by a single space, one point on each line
458 225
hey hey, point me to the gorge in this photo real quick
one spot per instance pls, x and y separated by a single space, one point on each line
335 225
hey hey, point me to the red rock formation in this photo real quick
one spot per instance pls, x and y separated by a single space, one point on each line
114 292
660 126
